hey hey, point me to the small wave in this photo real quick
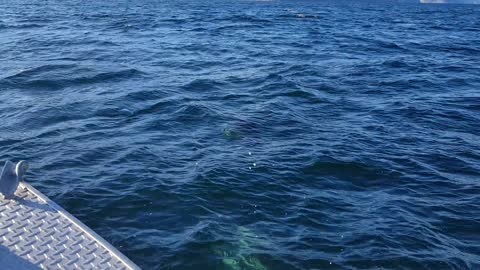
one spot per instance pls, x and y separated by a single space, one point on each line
158 107
104 43
388 45
56 77
258 81
52 115
359 174
241 128
295 92
199 85
245 18
36 70
192 112
238 27
300 94
113 112
460 49
111 76
174 20
199 29
273 87
466 103
293 14
441 27
22 26
396 64
408 83
199 65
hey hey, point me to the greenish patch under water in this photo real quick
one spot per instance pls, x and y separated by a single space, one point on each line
236 256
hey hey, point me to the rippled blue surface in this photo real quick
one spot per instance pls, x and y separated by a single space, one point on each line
252 135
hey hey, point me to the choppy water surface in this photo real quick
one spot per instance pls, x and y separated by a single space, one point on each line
252 135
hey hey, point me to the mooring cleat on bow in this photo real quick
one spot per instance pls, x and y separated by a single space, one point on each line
11 177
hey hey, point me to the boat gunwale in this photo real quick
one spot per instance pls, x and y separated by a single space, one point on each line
84 228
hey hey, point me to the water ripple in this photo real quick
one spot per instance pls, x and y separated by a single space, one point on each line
255 134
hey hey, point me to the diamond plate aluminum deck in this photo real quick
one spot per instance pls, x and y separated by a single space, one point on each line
36 233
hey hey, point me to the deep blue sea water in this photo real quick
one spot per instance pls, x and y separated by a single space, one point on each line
252 135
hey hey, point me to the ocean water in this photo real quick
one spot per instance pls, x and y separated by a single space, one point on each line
250 134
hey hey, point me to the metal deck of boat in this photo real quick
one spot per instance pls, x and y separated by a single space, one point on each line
36 233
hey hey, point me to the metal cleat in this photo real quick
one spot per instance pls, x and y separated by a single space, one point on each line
11 176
